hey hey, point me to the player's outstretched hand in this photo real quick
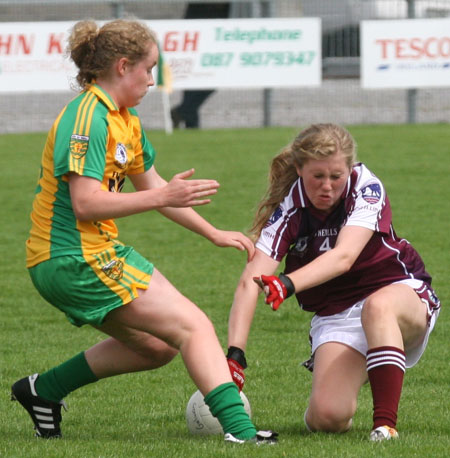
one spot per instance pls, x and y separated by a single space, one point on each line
181 192
276 289
234 239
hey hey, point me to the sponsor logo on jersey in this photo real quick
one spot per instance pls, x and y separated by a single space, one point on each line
268 234
371 193
330 232
276 215
115 184
78 145
121 157
114 269
367 207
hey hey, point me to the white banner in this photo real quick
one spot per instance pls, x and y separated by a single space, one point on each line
31 57
232 53
242 52
409 53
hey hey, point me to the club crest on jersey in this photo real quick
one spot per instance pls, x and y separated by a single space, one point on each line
121 157
114 269
78 145
276 215
301 245
371 193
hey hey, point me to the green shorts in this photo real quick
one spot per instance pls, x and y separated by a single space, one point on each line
87 287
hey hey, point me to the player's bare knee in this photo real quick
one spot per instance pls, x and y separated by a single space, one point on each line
201 323
325 417
195 324
375 309
329 424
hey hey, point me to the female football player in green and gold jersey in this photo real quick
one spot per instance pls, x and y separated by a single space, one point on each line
75 259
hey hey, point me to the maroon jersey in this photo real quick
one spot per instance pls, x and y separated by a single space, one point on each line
301 233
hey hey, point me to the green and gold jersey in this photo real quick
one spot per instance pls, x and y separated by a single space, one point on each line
93 138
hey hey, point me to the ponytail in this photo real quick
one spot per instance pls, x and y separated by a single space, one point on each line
282 175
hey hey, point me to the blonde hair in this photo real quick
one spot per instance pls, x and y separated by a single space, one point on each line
317 141
94 49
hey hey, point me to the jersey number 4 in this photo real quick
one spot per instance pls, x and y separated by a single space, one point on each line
325 245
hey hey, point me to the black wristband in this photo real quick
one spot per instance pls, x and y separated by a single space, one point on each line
238 355
287 282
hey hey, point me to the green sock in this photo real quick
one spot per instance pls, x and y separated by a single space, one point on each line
226 405
57 383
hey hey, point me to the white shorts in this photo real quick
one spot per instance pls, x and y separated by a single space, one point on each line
346 327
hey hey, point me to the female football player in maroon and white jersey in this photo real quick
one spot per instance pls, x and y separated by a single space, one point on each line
330 219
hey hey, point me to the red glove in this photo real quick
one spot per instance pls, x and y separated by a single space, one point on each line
276 289
237 364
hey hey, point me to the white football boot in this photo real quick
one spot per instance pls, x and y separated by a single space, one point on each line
383 433
262 437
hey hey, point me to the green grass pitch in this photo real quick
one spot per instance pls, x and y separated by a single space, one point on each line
142 415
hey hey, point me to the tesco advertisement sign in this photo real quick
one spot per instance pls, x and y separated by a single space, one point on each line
409 53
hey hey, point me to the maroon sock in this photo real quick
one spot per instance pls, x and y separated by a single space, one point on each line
385 368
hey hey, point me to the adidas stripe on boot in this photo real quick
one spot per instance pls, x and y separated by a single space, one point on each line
46 415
